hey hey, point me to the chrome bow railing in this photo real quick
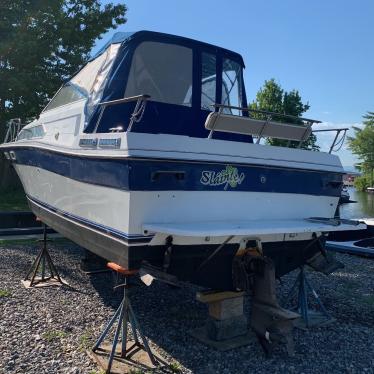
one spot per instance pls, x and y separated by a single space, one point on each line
14 126
336 144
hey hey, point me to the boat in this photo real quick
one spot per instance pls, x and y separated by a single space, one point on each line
345 197
150 155
370 189
359 243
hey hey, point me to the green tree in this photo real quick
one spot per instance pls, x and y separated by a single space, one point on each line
42 43
362 183
271 97
362 145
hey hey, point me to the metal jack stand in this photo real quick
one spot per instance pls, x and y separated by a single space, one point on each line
309 318
44 266
124 315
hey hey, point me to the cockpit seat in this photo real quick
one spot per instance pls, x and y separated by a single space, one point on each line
217 121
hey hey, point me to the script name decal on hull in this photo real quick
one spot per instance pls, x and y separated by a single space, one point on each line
228 177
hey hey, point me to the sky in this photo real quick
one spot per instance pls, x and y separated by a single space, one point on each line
322 48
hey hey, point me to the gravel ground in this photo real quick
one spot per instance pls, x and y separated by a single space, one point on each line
48 330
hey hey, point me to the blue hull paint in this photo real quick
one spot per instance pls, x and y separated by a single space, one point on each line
135 174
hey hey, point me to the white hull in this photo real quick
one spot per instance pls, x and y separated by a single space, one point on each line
128 211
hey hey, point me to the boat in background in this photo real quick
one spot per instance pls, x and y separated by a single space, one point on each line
150 154
345 197
360 243
370 189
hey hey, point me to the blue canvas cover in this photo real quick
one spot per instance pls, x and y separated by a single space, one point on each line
162 117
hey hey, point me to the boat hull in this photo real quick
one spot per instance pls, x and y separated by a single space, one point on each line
287 255
102 204
122 212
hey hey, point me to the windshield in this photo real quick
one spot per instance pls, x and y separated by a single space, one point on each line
66 95
88 83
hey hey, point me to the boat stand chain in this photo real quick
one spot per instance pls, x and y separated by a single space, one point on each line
124 315
310 318
43 266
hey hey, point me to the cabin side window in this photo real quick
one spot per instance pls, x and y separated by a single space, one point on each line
208 81
231 86
66 95
163 71
31 132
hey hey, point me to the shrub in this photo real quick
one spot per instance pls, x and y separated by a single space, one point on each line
362 183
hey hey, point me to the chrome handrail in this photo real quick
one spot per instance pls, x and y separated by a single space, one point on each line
338 131
135 116
309 122
124 100
268 113
14 126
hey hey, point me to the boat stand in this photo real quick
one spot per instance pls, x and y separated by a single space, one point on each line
123 316
309 317
43 271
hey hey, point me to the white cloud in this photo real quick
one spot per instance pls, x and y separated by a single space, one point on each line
325 139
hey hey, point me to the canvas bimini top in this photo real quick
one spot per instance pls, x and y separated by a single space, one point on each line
183 78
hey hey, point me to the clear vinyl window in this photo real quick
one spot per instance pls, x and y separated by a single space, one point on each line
208 81
163 71
231 86
66 95
31 132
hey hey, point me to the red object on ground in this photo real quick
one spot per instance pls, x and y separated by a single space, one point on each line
120 269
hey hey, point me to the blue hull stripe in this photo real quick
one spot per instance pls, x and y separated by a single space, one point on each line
129 238
134 174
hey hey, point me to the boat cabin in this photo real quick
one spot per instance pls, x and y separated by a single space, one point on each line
154 83
181 80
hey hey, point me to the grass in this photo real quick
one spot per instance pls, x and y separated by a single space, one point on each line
85 341
175 367
18 241
351 289
367 299
5 293
136 371
54 335
13 201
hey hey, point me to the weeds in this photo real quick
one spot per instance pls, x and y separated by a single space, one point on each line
5 293
369 300
136 371
13 201
54 335
175 367
85 341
